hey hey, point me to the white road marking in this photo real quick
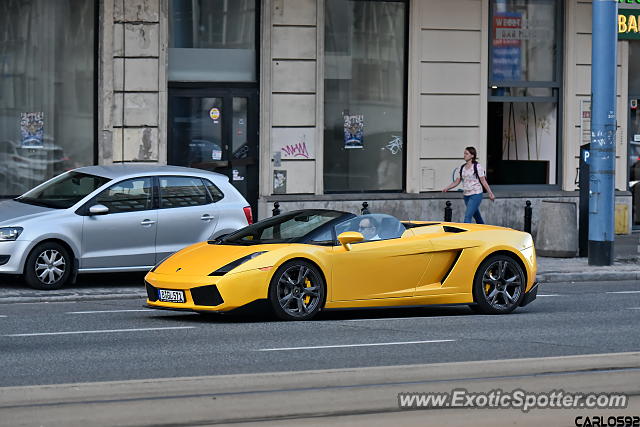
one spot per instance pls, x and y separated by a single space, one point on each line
104 331
1 315
550 295
354 345
633 308
106 311
624 292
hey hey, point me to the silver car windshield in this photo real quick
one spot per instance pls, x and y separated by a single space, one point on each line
63 191
285 228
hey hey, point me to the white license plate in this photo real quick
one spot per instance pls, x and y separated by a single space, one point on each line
166 295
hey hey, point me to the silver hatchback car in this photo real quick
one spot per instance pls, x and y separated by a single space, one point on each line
112 219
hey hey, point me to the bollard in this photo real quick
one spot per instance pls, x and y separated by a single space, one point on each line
365 209
447 212
276 209
527 217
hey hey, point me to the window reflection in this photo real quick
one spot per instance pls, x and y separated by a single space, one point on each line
46 90
364 95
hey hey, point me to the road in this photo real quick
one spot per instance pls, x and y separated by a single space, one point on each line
54 343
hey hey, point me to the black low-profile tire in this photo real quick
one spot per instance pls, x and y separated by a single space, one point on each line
48 266
499 285
297 291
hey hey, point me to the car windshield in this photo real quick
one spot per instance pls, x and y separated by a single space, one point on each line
63 191
285 228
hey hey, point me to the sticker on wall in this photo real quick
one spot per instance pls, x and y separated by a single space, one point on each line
279 181
353 131
214 114
235 175
32 129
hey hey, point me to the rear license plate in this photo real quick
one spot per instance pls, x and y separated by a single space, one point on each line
166 295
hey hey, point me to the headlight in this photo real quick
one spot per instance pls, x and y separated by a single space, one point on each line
9 233
227 268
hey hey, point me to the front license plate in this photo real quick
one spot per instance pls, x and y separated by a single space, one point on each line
166 295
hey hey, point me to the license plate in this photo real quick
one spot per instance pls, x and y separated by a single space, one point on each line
166 295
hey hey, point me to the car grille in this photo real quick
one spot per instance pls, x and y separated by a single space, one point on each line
152 293
206 295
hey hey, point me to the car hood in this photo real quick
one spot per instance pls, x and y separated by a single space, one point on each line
202 259
12 211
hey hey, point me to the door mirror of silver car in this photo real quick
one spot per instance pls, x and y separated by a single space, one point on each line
98 210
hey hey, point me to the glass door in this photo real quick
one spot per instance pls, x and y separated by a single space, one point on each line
216 130
633 157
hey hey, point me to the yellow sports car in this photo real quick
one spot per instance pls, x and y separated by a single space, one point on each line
309 260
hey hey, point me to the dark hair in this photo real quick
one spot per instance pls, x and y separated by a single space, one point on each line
473 152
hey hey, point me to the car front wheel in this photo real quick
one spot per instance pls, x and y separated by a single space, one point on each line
48 266
297 291
499 285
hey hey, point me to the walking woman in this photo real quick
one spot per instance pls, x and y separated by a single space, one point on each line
473 179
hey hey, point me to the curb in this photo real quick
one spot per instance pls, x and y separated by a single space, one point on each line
71 298
552 277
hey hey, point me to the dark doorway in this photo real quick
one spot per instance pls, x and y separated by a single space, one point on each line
216 129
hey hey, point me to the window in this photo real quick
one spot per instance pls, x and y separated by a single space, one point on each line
64 191
181 191
46 90
215 193
212 40
365 56
525 76
128 196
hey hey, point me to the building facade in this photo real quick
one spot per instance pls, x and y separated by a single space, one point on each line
327 103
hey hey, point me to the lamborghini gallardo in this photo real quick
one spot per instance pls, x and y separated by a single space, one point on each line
305 261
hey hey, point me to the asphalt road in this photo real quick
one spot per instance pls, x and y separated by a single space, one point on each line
54 343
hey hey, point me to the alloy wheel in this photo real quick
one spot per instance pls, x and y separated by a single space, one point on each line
502 284
299 290
50 266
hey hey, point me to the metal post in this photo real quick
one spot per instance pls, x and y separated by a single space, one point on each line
447 211
365 209
603 131
276 209
527 216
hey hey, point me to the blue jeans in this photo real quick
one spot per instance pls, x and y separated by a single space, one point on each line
473 208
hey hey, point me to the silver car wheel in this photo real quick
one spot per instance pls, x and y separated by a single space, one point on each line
502 284
299 290
50 266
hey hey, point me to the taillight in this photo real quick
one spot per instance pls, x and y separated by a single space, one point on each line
248 214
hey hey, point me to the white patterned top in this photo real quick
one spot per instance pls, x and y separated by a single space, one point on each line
470 183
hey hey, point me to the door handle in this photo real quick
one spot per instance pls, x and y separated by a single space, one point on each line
206 217
147 222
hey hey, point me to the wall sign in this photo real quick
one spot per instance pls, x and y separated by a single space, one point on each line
628 20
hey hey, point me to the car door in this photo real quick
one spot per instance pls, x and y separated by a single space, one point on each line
376 269
125 237
187 214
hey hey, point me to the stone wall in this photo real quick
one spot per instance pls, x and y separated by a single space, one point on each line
133 46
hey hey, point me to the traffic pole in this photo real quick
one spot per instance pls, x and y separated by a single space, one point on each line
603 131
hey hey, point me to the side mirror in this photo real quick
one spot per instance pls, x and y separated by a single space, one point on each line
98 210
349 237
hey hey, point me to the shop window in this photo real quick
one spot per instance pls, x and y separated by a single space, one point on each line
364 90
523 120
46 90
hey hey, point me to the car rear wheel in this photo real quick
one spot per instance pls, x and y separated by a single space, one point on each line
48 266
297 291
499 285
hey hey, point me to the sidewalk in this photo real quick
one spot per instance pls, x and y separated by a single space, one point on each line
129 286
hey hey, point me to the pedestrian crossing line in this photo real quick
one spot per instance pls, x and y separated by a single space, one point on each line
623 292
107 311
103 331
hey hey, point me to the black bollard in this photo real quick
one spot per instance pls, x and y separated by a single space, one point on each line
365 209
276 209
527 217
447 212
